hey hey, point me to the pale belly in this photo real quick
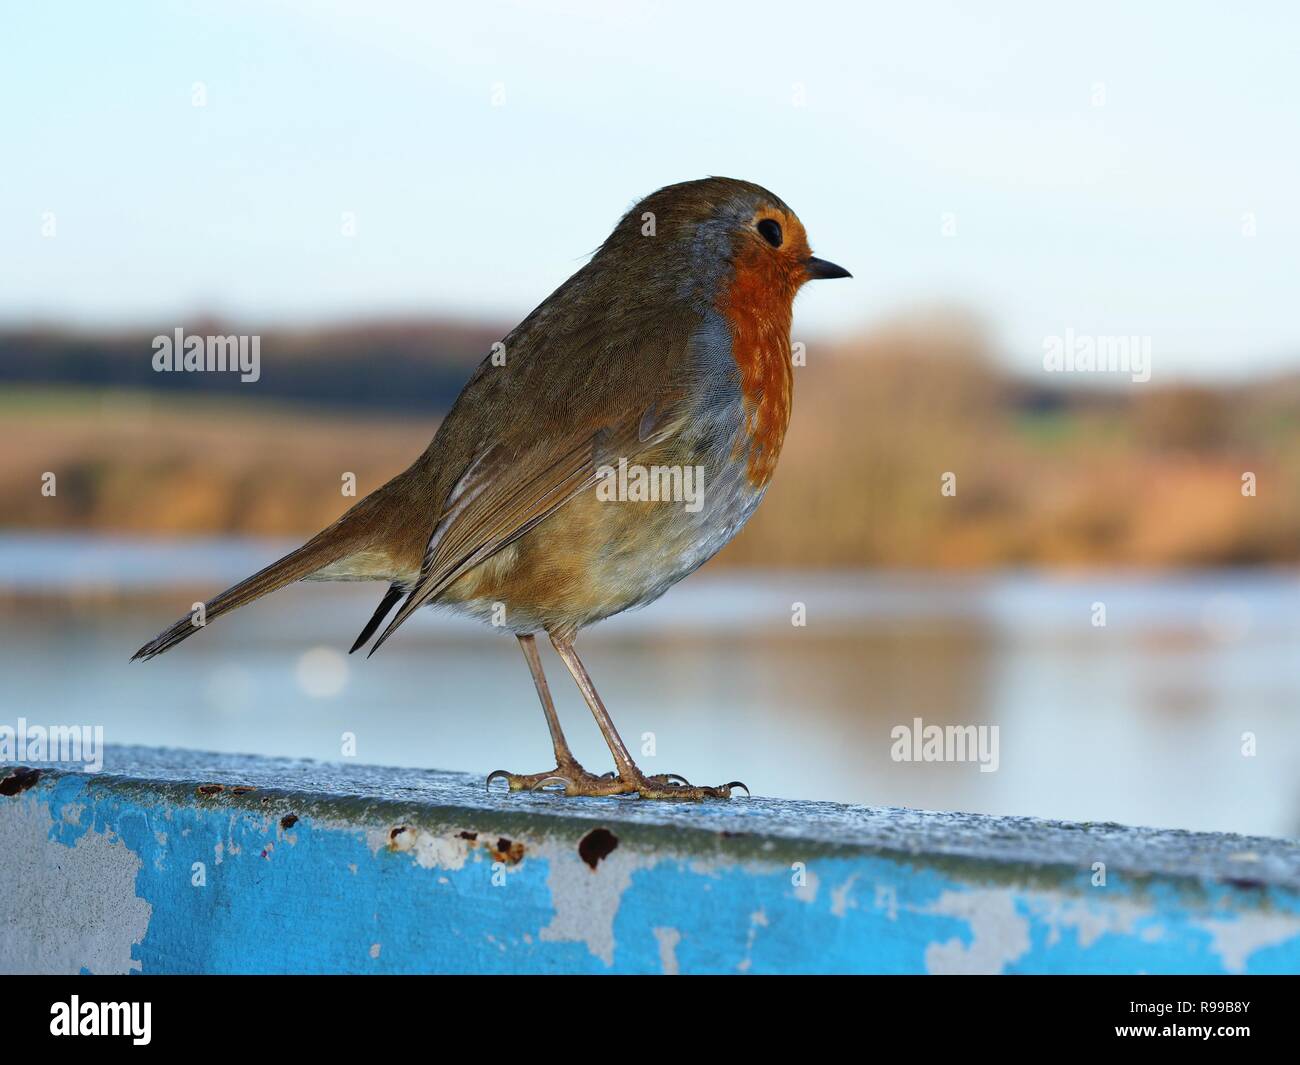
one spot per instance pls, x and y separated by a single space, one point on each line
665 541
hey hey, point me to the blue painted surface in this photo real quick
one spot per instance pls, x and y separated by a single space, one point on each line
327 896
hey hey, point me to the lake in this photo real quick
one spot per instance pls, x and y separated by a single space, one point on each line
1181 710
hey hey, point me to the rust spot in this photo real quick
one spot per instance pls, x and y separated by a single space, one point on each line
471 836
242 789
288 821
509 851
393 833
209 789
19 780
595 845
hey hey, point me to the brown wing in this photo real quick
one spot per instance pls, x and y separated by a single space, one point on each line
507 492
598 371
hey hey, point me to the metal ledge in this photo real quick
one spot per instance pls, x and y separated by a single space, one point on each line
178 861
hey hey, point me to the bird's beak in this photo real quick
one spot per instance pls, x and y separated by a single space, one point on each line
820 269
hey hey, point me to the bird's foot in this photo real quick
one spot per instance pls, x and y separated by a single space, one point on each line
570 779
574 780
672 786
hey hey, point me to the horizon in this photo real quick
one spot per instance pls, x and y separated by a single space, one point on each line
1063 376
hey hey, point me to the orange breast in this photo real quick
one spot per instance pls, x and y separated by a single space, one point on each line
758 305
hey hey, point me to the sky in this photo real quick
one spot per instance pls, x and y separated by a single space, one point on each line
1105 169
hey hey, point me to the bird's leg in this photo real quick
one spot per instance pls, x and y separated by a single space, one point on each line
567 771
629 776
563 756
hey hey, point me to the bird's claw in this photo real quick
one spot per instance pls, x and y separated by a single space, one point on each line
660 787
577 781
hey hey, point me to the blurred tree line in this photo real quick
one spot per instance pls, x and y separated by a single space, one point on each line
1057 469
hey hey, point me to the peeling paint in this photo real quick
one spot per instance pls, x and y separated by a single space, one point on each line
757 920
430 850
840 896
998 934
586 905
807 892
1090 917
66 909
1236 940
668 938
96 885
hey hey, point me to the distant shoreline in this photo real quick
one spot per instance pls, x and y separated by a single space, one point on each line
908 449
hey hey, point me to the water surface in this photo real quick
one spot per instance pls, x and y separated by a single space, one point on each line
1141 720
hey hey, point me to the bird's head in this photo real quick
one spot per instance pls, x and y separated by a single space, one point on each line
717 231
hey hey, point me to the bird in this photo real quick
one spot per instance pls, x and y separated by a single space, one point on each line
668 350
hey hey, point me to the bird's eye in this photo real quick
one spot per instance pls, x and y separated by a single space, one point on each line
771 231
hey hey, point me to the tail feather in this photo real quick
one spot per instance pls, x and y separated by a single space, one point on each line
386 604
325 548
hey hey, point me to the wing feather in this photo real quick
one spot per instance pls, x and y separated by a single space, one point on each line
503 496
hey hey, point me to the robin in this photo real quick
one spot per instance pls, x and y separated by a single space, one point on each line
616 440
